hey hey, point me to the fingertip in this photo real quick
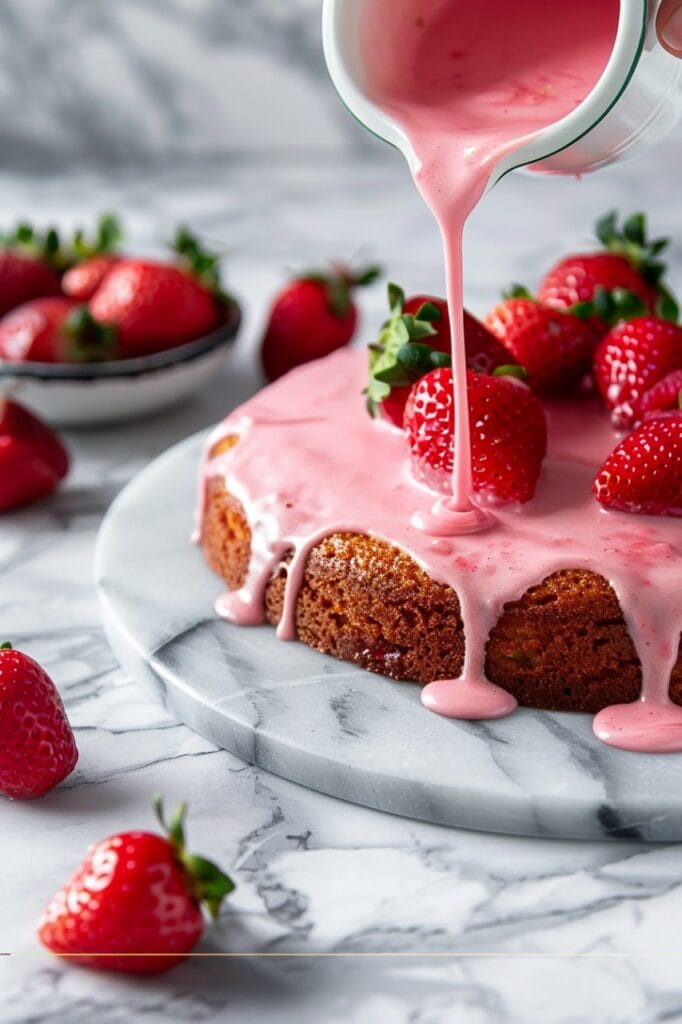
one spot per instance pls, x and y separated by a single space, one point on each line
669 28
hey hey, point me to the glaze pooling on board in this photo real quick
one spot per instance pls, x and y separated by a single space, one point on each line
310 463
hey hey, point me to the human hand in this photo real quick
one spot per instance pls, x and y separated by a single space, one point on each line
669 26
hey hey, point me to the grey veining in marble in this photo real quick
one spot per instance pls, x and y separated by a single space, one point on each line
152 80
584 932
337 728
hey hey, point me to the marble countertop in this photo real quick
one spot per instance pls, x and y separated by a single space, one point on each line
365 917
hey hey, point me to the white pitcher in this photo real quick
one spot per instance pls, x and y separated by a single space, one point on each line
634 104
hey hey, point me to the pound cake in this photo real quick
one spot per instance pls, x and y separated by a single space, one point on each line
308 510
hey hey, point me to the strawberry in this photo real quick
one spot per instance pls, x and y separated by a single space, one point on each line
509 434
663 396
82 281
27 267
156 306
415 340
37 748
54 330
311 317
554 347
134 904
630 359
629 261
644 473
95 258
32 458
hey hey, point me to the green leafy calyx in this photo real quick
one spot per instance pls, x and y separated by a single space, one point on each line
40 245
339 284
401 355
90 341
519 291
631 241
208 884
48 246
201 263
105 240
611 306
511 371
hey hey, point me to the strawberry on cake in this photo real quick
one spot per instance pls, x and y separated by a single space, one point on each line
565 596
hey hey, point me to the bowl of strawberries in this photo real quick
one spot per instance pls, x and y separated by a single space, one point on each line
90 335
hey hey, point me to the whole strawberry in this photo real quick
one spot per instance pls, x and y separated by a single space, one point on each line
155 306
37 748
664 396
54 330
134 904
415 340
30 266
644 473
313 316
508 434
32 458
555 348
630 359
629 261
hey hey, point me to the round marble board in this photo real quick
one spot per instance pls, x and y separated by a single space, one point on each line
336 728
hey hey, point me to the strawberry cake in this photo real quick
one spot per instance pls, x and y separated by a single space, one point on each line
319 519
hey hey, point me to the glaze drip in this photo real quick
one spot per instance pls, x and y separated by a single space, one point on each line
468 84
331 469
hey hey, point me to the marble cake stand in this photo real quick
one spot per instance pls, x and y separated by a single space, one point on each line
338 729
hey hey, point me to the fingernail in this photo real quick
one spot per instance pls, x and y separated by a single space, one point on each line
672 30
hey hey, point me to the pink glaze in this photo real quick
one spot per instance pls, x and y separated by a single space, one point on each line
469 83
468 700
311 463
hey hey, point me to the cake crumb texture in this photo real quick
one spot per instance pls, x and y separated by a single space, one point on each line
563 646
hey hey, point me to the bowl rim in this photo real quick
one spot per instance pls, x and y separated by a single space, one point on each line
135 367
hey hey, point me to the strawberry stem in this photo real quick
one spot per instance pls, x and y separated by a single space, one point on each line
511 371
632 242
108 237
402 354
611 306
45 246
201 264
339 284
8 647
518 291
90 340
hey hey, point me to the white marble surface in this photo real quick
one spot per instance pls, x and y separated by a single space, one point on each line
335 727
472 929
140 81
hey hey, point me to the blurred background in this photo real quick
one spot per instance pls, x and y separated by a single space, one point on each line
139 82
220 114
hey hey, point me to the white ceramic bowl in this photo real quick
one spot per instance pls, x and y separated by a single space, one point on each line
90 394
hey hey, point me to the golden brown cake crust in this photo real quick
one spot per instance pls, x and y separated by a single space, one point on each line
564 646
